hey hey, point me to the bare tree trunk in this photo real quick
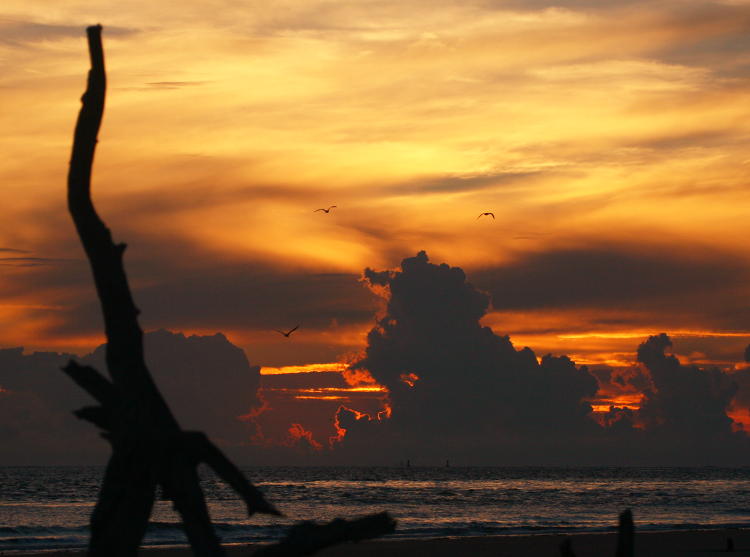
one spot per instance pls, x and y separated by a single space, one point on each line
148 446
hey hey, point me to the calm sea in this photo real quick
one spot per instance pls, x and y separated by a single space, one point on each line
49 507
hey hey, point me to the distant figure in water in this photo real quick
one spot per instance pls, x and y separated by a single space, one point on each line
730 545
325 210
408 463
289 332
486 215
447 463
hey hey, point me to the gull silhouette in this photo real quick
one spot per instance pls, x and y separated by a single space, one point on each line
486 214
289 332
325 210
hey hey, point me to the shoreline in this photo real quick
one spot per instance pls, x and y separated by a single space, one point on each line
664 543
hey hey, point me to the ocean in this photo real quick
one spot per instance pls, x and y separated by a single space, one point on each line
49 507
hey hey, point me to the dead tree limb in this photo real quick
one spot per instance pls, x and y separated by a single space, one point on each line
307 538
148 446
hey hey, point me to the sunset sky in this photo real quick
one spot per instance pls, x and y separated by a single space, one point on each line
611 140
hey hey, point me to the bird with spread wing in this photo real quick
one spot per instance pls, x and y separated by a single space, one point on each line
287 333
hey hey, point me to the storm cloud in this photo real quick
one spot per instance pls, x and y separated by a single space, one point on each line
458 390
469 384
206 380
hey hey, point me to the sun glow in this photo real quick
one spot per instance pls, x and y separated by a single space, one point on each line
629 401
305 368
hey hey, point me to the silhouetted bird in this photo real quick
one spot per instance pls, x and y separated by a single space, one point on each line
325 210
289 332
486 215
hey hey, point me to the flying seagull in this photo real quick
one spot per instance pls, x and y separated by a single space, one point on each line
486 214
325 210
289 332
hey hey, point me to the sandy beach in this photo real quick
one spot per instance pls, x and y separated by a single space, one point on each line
703 543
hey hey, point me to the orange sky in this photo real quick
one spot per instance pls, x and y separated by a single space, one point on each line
610 141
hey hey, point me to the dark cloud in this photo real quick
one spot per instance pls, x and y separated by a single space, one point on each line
178 285
616 277
17 33
36 406
29 261
474 395
241 295
206 380
683 399
473 386
452 184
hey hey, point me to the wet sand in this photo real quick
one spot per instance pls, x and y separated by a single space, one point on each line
703 543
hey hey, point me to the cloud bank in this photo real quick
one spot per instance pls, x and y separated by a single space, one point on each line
456 391
461 392
206 380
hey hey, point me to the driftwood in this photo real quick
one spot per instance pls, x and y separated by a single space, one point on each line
625 535
307 538
148 446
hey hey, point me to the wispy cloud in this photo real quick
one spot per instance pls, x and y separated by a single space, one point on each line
18 32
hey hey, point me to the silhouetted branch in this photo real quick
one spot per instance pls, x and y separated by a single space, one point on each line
208 453
307 537
92 382
148 446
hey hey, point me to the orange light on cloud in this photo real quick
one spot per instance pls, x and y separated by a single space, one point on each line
326 393
306 368
631 401
262 115
340 431
297 433
409 378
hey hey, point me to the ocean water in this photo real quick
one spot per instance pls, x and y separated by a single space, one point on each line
49 507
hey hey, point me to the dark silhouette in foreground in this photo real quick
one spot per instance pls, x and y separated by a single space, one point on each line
625 535
625 538
307 538
148 446
486 215
566 548
326 211
289 332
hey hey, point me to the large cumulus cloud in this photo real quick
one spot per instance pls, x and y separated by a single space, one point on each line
474 387
683 398
479 399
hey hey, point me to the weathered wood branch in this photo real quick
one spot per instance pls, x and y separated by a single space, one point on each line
208 453
92 382
307 538
148 446
125 361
